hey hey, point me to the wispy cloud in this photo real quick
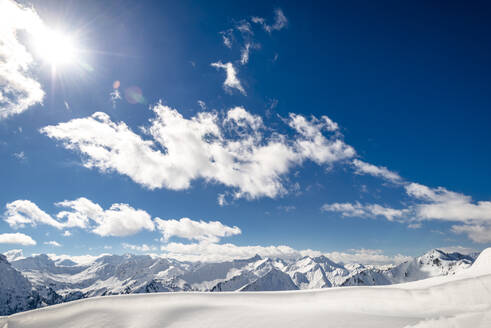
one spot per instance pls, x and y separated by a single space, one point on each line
366 256
245 52
21 156
280 21
52 243
144 248
287 208
376 171
115 95
364 211
202 104
227 37
231 80
426 204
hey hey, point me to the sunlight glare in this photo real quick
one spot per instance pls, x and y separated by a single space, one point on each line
55 47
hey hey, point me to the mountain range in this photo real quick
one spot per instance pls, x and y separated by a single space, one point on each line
37 281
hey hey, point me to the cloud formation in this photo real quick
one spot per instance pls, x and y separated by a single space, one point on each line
20 213
427 204
231 80
480 233
366 256
280 21
212 252
119 220
140 248
16 238
18 90
210 232
363 211
376 171
235 150
52 243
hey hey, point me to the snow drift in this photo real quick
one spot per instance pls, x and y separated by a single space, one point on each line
460 300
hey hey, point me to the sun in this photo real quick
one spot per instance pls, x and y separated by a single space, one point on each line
55 47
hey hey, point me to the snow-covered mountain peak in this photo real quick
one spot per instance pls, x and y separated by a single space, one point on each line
58 278
272 281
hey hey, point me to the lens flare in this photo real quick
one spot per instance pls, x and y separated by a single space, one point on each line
134 95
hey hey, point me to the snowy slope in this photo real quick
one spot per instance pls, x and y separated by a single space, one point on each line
462 300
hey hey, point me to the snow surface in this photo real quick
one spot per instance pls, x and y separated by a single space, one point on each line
461 300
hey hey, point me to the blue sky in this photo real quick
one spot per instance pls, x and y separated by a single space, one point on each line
357 130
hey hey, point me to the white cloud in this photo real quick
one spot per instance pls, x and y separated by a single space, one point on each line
364 211
376 171
280 21
211 252
241 118
195 230
119 220
202 104
18 90
287 208
67 233
366 256
140 248
443 204
314 145
16 238
246 51
480 233
227 37
24 212
233 150
427 204
244 27
115 95
244 54
222 200
52 243
231 80
414 225
14 254
21 156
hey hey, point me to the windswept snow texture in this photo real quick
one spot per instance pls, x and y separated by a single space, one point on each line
462 300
